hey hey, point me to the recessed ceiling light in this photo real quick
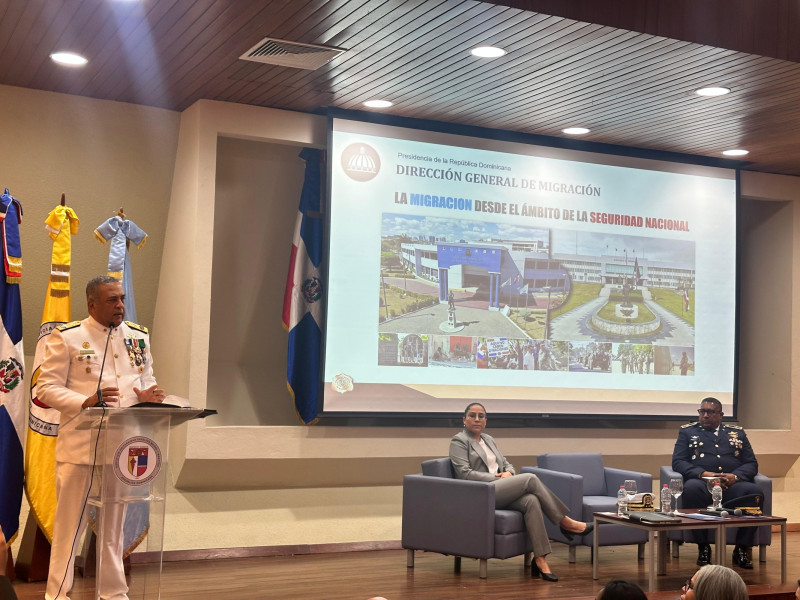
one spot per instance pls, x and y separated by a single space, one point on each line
377 103
69 58
575 130
736 152
488 51
713 91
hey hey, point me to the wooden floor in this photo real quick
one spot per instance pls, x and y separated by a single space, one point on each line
361 575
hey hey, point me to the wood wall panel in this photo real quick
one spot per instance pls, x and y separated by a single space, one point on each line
626 69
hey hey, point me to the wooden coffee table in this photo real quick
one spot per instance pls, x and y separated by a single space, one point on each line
719 525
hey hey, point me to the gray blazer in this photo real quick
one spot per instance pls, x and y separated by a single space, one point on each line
469 460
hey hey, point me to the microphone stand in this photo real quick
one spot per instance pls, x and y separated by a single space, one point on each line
100 401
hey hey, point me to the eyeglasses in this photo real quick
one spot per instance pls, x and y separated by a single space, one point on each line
688 585
704 411
476 416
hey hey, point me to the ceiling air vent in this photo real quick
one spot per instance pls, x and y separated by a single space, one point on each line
290 54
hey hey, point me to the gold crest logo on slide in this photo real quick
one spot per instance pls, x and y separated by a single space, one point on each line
360 162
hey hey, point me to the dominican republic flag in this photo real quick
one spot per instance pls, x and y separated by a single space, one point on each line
13 398
302 302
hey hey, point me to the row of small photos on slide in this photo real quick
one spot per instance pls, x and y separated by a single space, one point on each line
421 350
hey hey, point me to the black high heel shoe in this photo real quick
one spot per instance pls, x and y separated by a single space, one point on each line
536 572
570 535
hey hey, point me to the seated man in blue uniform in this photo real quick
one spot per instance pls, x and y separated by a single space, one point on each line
707 448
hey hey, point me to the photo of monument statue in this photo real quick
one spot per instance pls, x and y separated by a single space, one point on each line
625 288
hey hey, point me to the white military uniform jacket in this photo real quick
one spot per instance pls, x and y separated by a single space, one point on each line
71 367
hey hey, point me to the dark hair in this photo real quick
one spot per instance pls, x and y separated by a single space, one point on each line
471 404
94 285
717 404
621 590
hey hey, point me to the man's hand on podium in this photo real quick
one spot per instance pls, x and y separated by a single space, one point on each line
151 394
110 396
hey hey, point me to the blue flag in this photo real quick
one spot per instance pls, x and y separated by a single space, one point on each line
12 391
302 301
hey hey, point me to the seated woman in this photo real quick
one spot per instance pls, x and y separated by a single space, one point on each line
475 455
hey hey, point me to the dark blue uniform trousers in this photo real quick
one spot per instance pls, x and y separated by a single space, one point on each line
696 495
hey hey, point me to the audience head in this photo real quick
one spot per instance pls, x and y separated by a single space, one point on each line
715 582
621 590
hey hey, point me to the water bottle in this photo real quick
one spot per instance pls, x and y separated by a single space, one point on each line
622 501
666 499
716 496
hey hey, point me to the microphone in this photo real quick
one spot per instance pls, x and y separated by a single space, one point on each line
100 401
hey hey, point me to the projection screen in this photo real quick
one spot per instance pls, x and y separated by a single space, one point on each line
533 279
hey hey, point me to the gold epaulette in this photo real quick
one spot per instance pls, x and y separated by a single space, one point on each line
689 425
735 427
136 326
66 326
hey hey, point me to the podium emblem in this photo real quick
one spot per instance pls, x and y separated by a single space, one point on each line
137 461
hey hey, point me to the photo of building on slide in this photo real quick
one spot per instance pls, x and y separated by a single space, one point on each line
470 278
625 288
403 350
497 279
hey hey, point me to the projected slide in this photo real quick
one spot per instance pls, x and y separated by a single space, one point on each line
532 279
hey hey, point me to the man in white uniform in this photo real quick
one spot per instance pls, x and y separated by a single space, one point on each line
68 382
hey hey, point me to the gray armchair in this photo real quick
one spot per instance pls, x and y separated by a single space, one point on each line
586 486
457 517
763 534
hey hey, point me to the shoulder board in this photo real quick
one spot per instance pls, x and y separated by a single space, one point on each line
735 427
66 326
136 326
689 425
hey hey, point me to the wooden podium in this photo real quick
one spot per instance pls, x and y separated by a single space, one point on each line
130 447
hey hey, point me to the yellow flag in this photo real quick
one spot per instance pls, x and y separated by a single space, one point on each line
40 451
